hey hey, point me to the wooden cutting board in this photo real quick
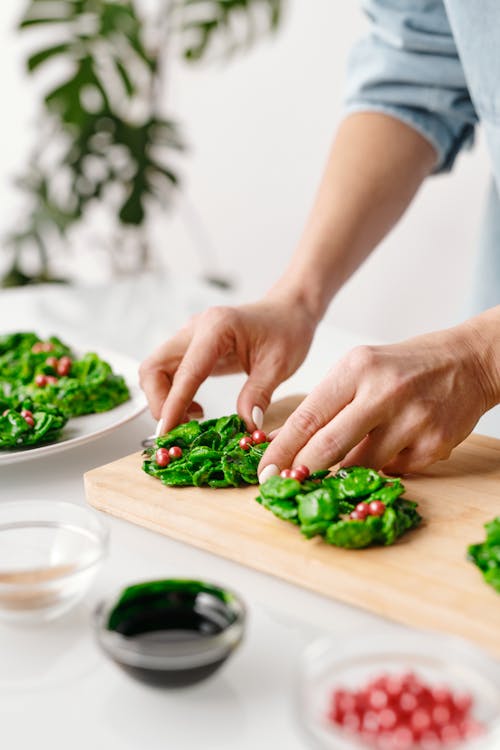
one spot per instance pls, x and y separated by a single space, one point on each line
424 580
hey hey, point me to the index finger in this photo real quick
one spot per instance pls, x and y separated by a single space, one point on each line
197 364
317 409
157 371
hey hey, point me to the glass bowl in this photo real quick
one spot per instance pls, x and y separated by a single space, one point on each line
170 633
49 553
439 660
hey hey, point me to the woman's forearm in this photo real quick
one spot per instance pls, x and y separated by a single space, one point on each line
375 167
482 334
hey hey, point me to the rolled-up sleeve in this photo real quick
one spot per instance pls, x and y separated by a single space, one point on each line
408 67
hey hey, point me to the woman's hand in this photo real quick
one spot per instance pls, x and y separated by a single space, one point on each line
399 407
267 340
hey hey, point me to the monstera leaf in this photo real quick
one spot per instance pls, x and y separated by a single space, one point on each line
104 118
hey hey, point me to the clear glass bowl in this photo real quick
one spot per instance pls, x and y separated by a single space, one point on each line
327 665
49 553
170 633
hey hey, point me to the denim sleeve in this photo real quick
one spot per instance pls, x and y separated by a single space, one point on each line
408 67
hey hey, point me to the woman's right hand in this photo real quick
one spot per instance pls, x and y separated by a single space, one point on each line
268 340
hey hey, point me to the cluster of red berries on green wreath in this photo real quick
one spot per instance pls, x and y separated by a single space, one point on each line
61 367
26 413
256 438
163 456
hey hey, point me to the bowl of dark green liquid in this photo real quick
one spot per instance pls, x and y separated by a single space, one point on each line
170 633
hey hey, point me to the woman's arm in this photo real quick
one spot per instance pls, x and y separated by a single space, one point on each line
375 167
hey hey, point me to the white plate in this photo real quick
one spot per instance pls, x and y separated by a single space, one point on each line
81 430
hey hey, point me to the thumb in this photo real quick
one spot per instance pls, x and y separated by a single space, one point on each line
256 394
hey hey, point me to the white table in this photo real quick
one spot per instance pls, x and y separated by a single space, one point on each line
56 689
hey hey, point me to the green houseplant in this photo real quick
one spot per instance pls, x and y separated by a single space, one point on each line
103 133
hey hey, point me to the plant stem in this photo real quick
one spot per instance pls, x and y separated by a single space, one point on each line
44 256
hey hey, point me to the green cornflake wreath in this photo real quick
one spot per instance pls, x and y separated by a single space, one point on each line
43 384
339 507
486 555
354 508
210 455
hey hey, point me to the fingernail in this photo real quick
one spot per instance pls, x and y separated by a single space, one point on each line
257 417
269 471
159 428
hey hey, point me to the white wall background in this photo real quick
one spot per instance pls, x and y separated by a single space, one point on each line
259 129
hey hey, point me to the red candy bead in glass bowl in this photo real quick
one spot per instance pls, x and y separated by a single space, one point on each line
405 690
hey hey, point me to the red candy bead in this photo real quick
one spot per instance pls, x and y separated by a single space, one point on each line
403 713
355 516
175 452
347 702
4 414
408 702
286 473
297 474
441 715
362 510
404 739
378 699
303 469
410 678
246 443
26 413
387 718
352 722
42 346
29 420
420 720
441 694
394 686
259 436
376 508
162 458
64 366
450 733
51 379
370 722
52 362
40 380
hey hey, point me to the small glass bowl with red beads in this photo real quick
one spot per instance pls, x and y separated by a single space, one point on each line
407 690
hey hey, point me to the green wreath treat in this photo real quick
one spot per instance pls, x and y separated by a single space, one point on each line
43 384
214 453
84 386
355 508
486 555
23 427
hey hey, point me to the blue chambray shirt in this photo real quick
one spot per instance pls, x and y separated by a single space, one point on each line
435 65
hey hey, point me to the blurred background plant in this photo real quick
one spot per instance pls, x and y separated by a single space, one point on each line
103 134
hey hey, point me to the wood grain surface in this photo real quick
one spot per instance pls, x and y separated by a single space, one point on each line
424 580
